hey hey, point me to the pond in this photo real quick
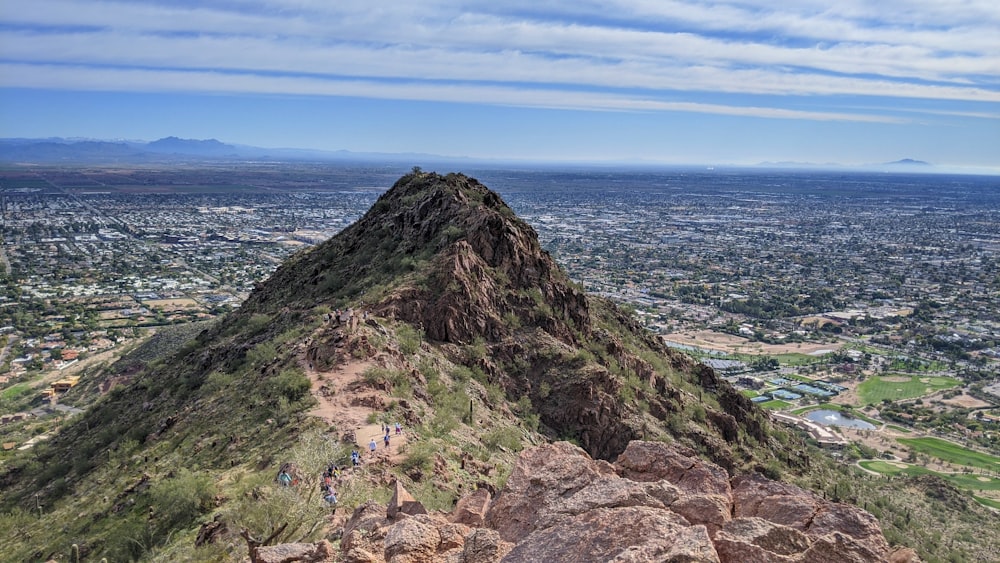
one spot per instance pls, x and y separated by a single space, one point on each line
835 418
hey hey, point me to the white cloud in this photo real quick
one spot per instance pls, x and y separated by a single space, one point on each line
90 78
946 50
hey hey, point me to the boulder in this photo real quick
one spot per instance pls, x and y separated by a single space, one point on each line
755 540
471 509
319 552
604 534
758 496
362 529
483 545
834 526
541 476
411 540
402 502
712 511
657 461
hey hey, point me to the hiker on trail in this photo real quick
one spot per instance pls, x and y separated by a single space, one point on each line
386 439
372 446
355 458
399 429
284 478
330 495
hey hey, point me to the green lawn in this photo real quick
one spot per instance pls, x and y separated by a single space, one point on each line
16 391
796 359
969 481
774 404
952 453
875 389
898 428
988 502
888 468
749 393
974 482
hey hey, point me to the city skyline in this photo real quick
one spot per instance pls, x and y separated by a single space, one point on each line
645 82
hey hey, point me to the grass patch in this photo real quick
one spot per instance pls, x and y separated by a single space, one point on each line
952 453
774 404
749 393
987 502
890 468
16 391
877 389
966 481
974 482
797 359
898 428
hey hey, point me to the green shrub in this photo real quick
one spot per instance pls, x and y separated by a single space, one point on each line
506 437
290 383
178 501
409 339
420 457
257 323
217 382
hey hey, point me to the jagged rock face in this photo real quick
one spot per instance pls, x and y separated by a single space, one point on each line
471 253
656 503
320 552
474 281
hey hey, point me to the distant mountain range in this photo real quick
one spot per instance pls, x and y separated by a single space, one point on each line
90 151
57 150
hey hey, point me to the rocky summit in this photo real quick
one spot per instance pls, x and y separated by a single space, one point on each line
655 503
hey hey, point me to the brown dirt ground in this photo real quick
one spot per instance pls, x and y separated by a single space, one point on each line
723 342
337 410
965 401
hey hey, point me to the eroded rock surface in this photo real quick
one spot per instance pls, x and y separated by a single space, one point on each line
657 502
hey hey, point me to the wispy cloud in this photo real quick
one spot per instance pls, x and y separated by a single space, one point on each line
620 55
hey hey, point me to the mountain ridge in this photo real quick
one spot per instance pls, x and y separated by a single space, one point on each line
437 309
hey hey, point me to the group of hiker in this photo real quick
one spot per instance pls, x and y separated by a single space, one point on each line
373 446
334 473
345 316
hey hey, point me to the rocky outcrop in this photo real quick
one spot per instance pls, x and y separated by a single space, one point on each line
657 502
402 502
471 509
319 552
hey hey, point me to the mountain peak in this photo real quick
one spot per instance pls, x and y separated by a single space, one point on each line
444 253
908 162
206 147
446 256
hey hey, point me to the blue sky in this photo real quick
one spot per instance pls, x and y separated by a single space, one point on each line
672 81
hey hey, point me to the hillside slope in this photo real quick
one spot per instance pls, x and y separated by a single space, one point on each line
438 310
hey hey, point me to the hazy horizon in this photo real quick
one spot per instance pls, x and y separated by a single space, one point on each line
671 83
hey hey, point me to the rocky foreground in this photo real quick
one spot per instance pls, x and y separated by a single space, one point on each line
657 502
